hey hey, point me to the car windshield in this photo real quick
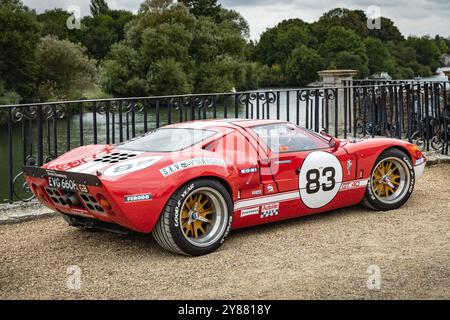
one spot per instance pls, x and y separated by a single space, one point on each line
286 137
167 140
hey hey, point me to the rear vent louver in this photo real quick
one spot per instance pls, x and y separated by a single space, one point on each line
91 203
56 196
116 157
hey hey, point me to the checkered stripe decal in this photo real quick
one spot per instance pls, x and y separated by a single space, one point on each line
269 213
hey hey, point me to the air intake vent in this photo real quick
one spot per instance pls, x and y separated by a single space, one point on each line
116 157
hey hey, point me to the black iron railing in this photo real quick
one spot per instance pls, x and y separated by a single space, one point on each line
34 134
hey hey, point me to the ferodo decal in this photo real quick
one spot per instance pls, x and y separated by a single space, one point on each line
129 166
183 165
320 179
138 198
270 210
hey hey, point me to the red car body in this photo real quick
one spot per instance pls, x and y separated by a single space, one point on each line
136 198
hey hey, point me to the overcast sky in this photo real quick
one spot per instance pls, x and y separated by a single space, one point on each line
417 17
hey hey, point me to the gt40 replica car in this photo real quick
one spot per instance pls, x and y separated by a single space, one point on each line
191 183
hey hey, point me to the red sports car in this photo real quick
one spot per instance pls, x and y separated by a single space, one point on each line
191 183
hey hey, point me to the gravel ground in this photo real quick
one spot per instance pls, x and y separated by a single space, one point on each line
318 257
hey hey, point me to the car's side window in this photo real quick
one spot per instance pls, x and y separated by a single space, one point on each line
285 137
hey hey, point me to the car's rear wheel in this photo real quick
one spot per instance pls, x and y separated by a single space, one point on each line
391 181
196 220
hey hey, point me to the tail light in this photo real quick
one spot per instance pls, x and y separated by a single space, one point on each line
104 203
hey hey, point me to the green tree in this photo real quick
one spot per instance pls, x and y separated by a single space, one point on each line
167 77
427 52
54 22
122 72
387 31
349 60
302 66
99 8
104 28
168 50
203 7
65 70
354 20
341 40
7 97
18 41
276 44
380 58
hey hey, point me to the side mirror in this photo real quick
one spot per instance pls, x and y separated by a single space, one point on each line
334 143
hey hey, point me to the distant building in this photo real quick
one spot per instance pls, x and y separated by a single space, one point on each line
381 76
445 60
439 75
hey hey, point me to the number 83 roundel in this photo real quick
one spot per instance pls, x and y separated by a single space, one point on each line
320 179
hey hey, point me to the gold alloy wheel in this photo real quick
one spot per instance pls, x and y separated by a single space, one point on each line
386 178
197 215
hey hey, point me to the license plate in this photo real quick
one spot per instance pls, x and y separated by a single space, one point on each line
61 183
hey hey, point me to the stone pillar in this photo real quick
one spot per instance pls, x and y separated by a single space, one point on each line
336 79
447 89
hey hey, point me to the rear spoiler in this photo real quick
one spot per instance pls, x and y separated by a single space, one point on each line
79 178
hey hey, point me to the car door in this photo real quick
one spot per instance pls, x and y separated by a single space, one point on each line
304 161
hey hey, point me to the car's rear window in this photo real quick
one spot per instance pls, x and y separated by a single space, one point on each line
167 140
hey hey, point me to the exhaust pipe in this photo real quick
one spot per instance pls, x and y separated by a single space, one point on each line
71 199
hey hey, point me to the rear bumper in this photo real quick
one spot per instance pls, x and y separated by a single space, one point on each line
86 202
419 167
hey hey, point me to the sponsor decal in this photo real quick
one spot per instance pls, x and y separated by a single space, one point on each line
253 202
249 170
52 173
83 188
270 210
256 192
270 188
349 167
186 164
354 184
249 212
130 166
138 198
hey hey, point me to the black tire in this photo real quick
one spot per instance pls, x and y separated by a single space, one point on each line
170 233
403 190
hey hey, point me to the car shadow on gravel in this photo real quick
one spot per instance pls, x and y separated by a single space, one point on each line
303 220
145 245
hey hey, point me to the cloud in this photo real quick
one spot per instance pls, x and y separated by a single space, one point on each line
412 17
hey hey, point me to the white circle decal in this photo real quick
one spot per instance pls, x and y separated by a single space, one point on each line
320 179
130 166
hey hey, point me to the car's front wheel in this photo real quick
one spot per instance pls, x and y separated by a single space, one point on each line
196 219
391 181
